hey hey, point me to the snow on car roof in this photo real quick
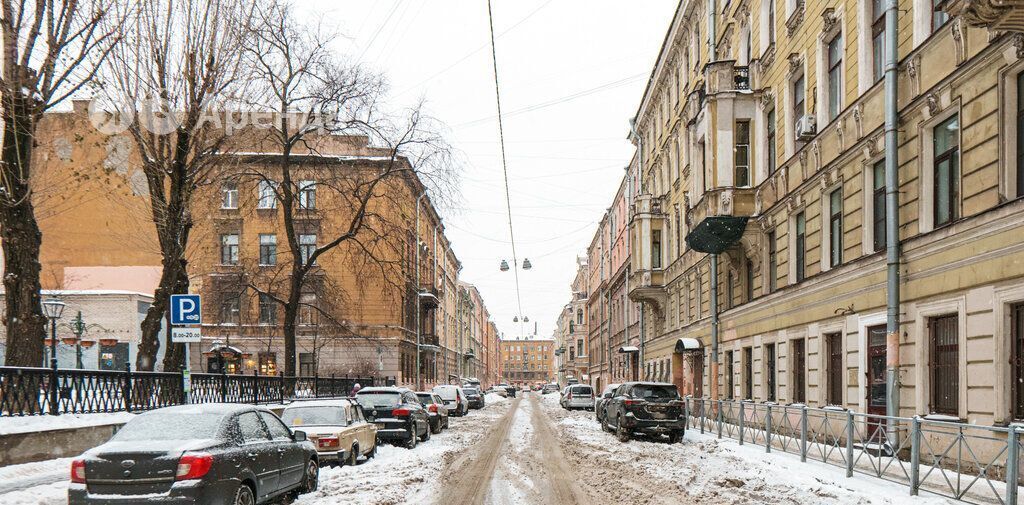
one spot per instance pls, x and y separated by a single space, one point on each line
339 402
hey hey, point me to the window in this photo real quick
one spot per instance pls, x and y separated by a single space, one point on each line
268 363
748 373
878 39
1017 363
579 316
307 365
835 76
799 371
268 195
741 154
656 249
268 309
229 195
730 386
946 144
769 367
834 377
748 269
307 194
251 429
229 308
945 364
307 246
679 232
773 262
1020 134
799 98
835 227
771 21
729 281
307 309
801 244
268 249
770 135
878 205
939 16
229 249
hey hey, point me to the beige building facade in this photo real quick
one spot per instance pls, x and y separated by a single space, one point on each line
782 129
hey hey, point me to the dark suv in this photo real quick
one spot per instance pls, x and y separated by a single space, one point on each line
474 397
399 415
652 408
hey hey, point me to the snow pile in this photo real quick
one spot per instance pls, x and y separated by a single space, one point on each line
492 398
26 424
42 483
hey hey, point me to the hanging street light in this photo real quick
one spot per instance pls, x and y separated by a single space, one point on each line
515 319
526 264
526 319
504 266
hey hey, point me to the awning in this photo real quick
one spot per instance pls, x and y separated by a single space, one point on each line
688 345
716 234
629 348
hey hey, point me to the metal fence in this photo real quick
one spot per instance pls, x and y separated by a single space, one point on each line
35 391
978 464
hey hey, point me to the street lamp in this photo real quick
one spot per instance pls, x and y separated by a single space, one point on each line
53 310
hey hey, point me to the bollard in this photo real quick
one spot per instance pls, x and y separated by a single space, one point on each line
1012 453
849 443
915 455
741 423
803 434
768 429
719 418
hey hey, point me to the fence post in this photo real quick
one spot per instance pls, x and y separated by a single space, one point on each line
915 455
719 418
280 387
316 384
686 413
803 434
849 443
256 386
742 416
223 386
127 387
702 416
52 390
334 385
184 395
1012 453
768 429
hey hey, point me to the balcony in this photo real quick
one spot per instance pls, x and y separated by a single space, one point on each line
721 216
429 298
725 76
648 286
995 15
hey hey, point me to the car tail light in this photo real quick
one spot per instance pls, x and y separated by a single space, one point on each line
78 471
402 412
327 442
432 407
634 402
193 466
569 396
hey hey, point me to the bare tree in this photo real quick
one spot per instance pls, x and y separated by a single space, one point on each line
179 68
317 102
51 49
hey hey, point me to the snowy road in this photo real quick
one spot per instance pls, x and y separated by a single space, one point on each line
529 451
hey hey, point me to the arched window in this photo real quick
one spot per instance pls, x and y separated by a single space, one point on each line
579 316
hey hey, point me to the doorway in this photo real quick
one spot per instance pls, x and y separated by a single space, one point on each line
876 395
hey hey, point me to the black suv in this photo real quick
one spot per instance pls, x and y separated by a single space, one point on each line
474 397
652 408
399 415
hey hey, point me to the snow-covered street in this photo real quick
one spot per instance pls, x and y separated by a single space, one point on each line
529 450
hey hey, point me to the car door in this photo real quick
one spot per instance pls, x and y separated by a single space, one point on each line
260 454
419 413
350 433
291 457
364 432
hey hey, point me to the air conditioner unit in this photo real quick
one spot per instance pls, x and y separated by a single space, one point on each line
806 127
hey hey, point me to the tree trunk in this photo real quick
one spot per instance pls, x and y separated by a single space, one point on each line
291 313
174 358
19 232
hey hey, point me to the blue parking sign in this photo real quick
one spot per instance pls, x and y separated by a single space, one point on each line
186 309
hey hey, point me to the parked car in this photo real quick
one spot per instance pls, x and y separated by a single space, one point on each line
207 454
578 396
601 401
474 398
337 428
471 383
500 391
652 408
399 415
454 399
437 413
549 388
511 391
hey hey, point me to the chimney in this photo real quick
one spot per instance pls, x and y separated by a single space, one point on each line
80 105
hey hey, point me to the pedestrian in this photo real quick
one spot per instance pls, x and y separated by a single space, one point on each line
355 389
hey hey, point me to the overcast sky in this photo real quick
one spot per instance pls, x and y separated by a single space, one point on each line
572 73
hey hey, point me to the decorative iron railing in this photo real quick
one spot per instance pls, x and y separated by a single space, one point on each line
34 391
977 464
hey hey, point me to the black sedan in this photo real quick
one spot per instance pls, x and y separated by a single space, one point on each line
474 397
207 454
399 415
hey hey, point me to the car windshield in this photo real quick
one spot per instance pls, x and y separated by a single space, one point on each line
378 399
446 393
471 391
652 392
311 416
582 390
170 426
426 399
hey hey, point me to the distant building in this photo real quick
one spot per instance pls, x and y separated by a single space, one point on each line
528 360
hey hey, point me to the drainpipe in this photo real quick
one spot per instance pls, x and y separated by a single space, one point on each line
629 243
892 221
417 291
713 373
712 31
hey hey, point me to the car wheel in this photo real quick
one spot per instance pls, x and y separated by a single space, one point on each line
312 478
436 427
446 423
353 457
675 437
413 440
244 496
620 431
426 433
373 452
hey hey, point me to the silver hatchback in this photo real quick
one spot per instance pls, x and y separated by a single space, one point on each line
578 396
